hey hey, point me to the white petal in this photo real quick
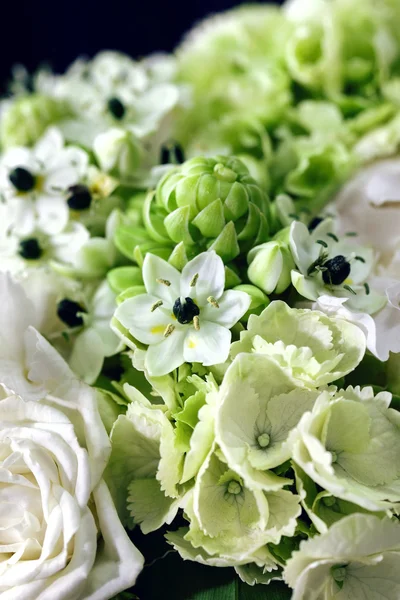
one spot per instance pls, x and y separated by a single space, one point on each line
155 268
208 346
232 306
52 214
211 277
146 326
61 178
166 356
49 145
19 157
87 356
118 562
23 215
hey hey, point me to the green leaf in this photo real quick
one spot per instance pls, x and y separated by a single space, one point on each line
198 582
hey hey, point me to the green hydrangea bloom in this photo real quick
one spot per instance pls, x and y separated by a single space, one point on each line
258 407
311 347
357 558
344 48
221 508
349 444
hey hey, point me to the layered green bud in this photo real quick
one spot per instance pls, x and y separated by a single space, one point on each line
26 119
270 266
209 203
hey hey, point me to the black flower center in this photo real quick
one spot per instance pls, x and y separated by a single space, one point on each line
67 311
172 153
336 271
30 249
314 223
22 179
185 311
116 108
80 197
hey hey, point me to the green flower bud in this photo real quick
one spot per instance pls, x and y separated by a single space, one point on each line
209 203
119 153
270 265
25 120
121 278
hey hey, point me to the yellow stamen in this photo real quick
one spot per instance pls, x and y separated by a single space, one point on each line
168 330
196 323
213 301
164 282
194 280
156 305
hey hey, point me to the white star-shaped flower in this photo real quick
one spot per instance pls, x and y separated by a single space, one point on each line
184 317
327 265
35 182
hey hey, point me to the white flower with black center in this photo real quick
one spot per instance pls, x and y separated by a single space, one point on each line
327 265
36 183
183 317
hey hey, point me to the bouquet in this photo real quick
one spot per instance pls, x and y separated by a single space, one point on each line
200 321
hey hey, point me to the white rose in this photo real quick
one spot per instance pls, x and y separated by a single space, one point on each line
60 535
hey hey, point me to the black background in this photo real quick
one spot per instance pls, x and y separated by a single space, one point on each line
57 31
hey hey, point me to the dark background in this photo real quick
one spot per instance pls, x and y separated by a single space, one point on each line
56 32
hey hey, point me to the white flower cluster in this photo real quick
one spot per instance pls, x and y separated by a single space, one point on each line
200 286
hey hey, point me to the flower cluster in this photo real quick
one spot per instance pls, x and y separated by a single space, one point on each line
200 325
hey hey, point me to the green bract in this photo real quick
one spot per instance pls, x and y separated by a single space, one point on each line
210 203
258 407
357 558
311 347
349 444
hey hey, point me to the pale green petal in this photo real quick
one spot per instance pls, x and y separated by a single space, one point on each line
245 430
149 506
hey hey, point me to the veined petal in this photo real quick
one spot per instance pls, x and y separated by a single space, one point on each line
155 268
145 325
232 305
210 272
209 345
166 356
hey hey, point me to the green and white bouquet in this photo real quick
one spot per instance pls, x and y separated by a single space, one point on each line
200 311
